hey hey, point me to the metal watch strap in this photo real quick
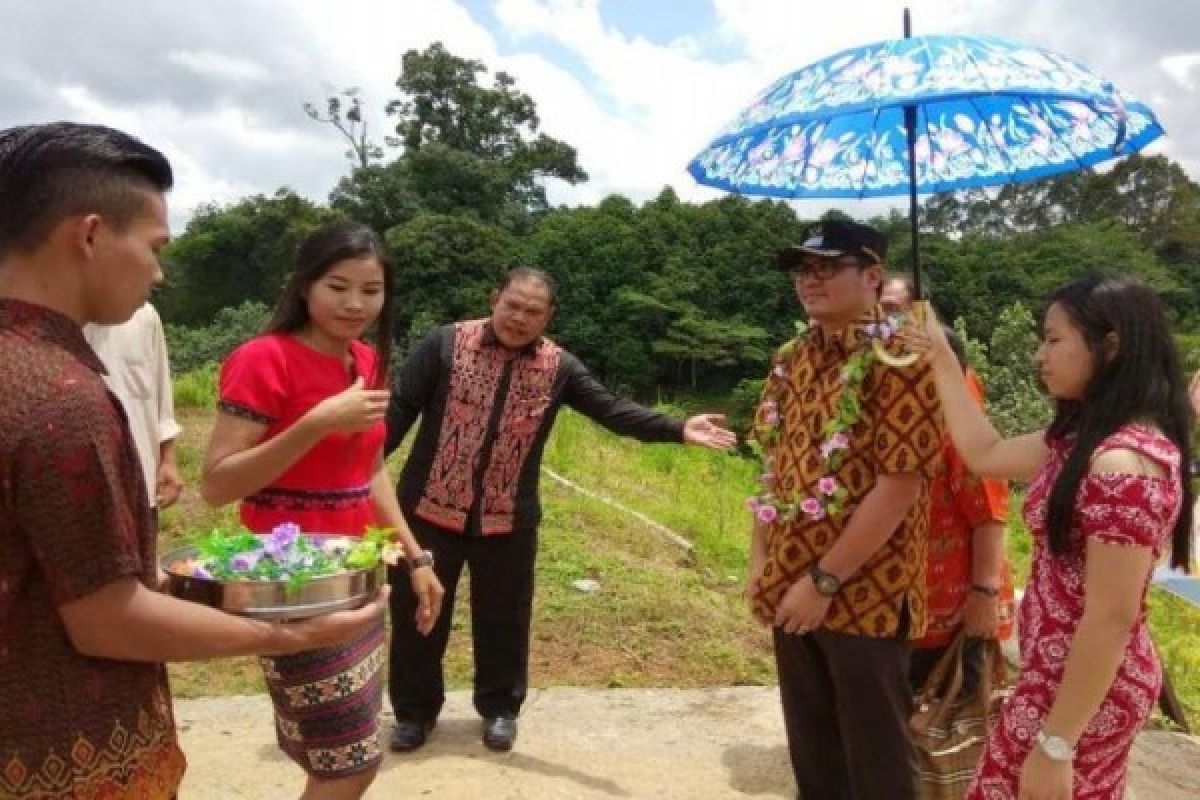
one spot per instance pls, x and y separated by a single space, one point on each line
422 559
820 576
1055 747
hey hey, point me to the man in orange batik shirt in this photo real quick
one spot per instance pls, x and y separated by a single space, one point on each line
838 556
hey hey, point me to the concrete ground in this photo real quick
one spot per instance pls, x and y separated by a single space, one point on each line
577 744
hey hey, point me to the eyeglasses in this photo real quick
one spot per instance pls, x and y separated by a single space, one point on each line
824 268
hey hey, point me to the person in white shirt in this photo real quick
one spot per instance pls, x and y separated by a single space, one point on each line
135 355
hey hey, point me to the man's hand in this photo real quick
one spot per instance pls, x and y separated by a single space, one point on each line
338 627
169 484
802 609
707 430
429 592
981 615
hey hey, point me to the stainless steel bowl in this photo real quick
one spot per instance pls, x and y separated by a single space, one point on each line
273 599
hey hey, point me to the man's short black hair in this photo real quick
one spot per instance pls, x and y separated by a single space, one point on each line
531 274
53 171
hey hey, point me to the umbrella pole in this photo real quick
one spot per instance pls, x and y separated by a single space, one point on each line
910 129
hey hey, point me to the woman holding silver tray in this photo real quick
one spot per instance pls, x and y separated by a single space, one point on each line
298 440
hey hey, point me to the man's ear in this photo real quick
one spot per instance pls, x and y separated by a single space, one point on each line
83 232
874 275
493 299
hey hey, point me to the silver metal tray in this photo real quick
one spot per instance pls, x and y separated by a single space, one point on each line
273 599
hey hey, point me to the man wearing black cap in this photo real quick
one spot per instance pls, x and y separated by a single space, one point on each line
837 559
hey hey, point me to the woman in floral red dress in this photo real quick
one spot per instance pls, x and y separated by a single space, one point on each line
1107 498
299 441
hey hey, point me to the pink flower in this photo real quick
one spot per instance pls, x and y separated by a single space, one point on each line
827 485
779 371
766 514
839 441
752 504
812 507
770 413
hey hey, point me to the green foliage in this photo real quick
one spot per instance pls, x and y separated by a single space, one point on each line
447 267
470 147
194 347
231 255
665 295
743 400
1016 404
197 388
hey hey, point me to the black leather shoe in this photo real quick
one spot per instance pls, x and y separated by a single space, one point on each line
499 733
408 736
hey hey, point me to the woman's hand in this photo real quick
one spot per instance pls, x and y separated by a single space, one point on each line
924 335
1043 778
351 410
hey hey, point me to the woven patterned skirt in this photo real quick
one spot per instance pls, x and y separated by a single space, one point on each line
327 705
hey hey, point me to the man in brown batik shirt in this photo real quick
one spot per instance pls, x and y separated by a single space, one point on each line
84 707
838 551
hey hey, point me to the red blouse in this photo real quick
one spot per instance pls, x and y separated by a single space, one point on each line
276 379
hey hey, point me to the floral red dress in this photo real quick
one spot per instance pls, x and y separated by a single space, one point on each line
1129 510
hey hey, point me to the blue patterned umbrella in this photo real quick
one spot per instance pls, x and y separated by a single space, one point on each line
923 114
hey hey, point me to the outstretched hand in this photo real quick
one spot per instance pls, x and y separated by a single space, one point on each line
707 430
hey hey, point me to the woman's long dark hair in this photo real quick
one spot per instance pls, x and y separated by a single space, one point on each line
1141 382
315 256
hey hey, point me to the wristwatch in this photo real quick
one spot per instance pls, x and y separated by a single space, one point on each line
421 559
1055 747
827 583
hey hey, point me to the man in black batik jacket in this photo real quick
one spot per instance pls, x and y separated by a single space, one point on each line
487 392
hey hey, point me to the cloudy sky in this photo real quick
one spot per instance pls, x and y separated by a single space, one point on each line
636 86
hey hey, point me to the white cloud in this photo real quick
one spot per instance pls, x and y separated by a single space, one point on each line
220 86
222 67
1181 68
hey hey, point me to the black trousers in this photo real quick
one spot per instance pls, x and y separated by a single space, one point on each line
846 705
501 570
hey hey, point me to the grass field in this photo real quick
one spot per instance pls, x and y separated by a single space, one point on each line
664 616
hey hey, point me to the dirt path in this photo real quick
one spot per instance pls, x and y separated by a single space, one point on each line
577 744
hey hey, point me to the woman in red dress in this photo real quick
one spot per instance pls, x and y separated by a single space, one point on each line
1108 496
298 440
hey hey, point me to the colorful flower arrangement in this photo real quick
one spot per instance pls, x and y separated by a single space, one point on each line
829 500
285 554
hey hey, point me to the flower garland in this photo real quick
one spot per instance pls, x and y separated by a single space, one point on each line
830 497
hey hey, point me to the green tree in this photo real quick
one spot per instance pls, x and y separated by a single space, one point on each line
380 196
195 347
1016 404
446 266
472 147
232 254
